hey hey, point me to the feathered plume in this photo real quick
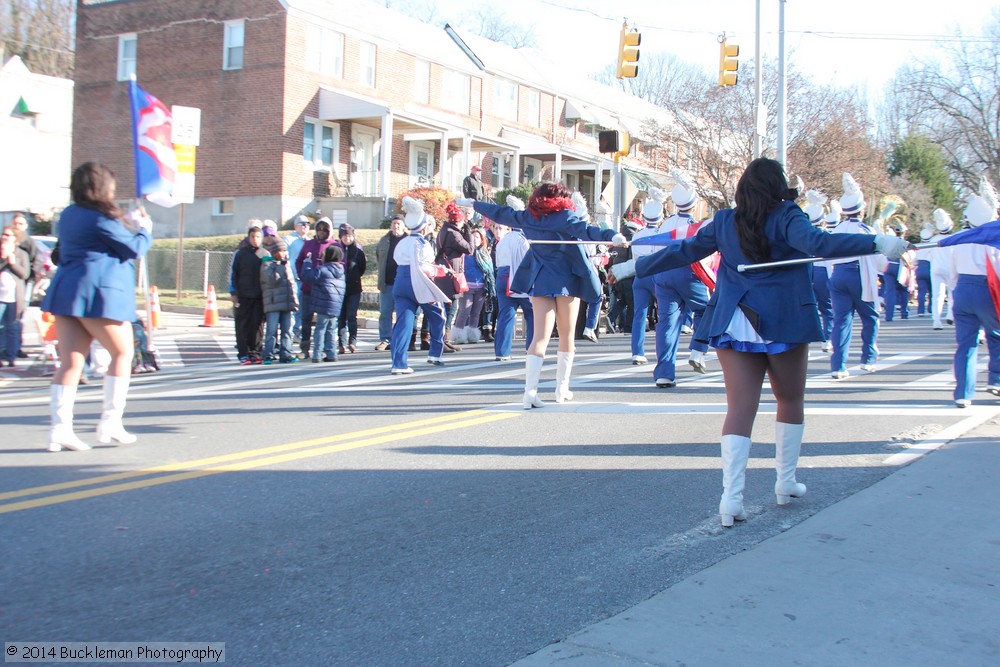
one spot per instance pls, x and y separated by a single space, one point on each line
815 198
515 203
987 192
412 206
579 203
942 220
682 178
836 208
657 195
851 186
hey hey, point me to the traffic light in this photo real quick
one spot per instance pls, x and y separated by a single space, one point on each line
613 141
728 63
628 53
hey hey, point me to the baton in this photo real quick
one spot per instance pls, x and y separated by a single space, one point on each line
570 242
807 260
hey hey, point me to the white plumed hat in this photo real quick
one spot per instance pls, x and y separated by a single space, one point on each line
814 206
926 232
684 194
652 210
942 221
413 214
515 203
982 208
853 201
833 217
580 205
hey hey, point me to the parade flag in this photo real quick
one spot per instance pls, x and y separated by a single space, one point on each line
155 160
985 234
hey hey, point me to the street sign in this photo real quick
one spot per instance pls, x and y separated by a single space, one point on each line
186 125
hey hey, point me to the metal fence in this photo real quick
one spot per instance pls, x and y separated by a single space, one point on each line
200 268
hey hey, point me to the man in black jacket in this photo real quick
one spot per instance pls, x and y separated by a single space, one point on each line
355 264
248 298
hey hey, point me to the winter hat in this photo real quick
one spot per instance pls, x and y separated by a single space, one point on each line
684 194
455 214
515 203
273 244
345 229
413 214
652 210
833 217
580 205
814 207
853 201
942 221
269 227
982 208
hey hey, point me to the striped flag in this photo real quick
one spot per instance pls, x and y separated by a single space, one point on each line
155 160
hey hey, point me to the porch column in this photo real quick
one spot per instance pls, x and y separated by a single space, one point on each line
443 161
385 157
515 178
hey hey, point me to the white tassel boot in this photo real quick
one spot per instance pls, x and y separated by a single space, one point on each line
61 435
457 336
564 369
472 335
110 426
532 369
788 442
735 452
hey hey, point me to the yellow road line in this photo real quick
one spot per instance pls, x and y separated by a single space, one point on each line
198 463
452 422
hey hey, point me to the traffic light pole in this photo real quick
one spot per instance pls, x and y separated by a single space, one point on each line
758 110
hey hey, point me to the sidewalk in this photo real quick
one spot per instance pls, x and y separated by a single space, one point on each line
904 573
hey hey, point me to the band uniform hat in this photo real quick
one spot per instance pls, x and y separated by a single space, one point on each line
580 206
852 201
685 193
982 208
832 218
942 221
652 210
814 207
414 216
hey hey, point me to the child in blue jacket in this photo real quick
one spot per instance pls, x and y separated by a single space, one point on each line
328 289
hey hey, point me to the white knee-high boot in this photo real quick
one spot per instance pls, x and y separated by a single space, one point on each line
532 369
110 426
564 368
735 452
788 442
61 435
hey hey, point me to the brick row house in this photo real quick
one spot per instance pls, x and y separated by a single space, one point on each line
339 106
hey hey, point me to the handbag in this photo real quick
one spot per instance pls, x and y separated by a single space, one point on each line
461 284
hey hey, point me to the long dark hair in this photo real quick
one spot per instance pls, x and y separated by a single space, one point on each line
761 188
89 186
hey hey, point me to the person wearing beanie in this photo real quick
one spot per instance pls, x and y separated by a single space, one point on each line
313 249
854 289
821 270
556 276
280 298
642 288
326 289
355 265
454 242
976 266
942 282
759 321
414 288
681 290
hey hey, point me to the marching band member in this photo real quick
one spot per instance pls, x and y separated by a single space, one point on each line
854 289
821 270
556 275
413 288
941 278
974 267
510 251
643 288
761 322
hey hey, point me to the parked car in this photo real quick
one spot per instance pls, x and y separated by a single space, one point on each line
45 245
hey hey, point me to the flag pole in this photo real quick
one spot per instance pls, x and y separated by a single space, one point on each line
808 260
569 242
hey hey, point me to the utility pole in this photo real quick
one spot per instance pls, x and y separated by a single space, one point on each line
782 155
760 113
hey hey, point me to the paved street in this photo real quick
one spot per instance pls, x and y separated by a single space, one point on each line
332 514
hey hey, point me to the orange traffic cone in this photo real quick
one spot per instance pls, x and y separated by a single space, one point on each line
211 309
154 308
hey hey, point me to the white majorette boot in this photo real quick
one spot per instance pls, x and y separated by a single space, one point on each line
735 452
472 335
457 336
788 442
532 369
61 435
564 368
110 426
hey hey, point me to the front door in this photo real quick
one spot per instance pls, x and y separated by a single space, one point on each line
421 164
364 161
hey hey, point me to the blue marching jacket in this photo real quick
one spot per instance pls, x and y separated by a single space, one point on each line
96 274
782 297
552 269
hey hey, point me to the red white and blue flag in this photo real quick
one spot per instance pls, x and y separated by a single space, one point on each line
155 160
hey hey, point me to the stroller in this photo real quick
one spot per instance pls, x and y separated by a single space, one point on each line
145 360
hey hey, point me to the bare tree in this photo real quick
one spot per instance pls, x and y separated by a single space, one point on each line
41 33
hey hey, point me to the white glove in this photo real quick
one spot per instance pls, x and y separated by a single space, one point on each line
464 201
891 246
137 219
623 271
619 240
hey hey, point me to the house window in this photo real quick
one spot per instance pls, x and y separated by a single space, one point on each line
325 51
367 73
455 91
232 57
505 99
501 171
534 109
422 82
320 144
222 206
127 46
